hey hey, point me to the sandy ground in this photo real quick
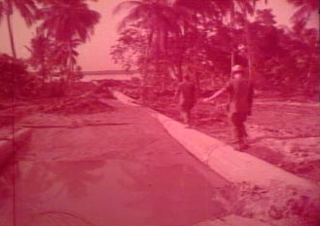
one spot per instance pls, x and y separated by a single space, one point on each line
111 168
281 132
63 171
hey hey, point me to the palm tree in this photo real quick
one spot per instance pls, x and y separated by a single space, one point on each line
26 8
248 8
47 55
228 10
158 20
305 8
66 21
62 56
40 49
244 7
300 19
156 17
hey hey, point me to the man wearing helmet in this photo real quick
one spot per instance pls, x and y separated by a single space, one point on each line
240 90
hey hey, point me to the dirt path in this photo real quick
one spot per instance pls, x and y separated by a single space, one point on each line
126 171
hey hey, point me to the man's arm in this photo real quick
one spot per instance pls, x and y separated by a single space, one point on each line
218 93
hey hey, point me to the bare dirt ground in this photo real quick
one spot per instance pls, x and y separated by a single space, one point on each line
116 167
282 131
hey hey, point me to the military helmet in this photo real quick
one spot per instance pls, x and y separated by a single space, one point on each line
237 68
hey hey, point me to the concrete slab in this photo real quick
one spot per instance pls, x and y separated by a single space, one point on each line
213 223
13 142
233 165
233 220
134 174
124 99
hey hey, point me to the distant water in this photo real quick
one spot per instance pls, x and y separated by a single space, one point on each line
88 78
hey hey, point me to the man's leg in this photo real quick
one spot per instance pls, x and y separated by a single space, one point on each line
185 113
243 118
186 117
243 130
234 129
237 120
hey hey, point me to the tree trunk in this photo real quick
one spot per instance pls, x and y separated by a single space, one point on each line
232 15
180 72
13 49
70 71
249 46
145 68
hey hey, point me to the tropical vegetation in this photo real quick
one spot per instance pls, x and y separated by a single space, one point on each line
164 39
27 10
61 27
15 79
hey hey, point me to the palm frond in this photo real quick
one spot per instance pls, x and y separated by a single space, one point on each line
303 12
28 48
134 15
246 6
305 8
64 21
125 5
27 9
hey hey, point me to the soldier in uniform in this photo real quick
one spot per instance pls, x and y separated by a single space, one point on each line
186 95
240 90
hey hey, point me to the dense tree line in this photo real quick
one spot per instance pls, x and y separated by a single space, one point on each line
165 39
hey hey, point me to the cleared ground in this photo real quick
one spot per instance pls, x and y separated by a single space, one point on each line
120 166
282 132
117 168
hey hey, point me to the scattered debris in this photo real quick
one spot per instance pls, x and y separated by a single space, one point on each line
77 106
90 102
276 204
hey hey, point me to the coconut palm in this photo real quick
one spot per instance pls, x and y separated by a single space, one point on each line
156 17
69 19
305 8
245 7
227 9
66 21
61 55
27 10
158 20
40 49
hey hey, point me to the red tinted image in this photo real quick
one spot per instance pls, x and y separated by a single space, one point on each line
159 113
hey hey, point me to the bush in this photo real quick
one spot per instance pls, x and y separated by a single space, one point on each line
14 77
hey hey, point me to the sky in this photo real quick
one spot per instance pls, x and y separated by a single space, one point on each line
95 54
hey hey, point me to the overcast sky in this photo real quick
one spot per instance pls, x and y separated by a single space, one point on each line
94 55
